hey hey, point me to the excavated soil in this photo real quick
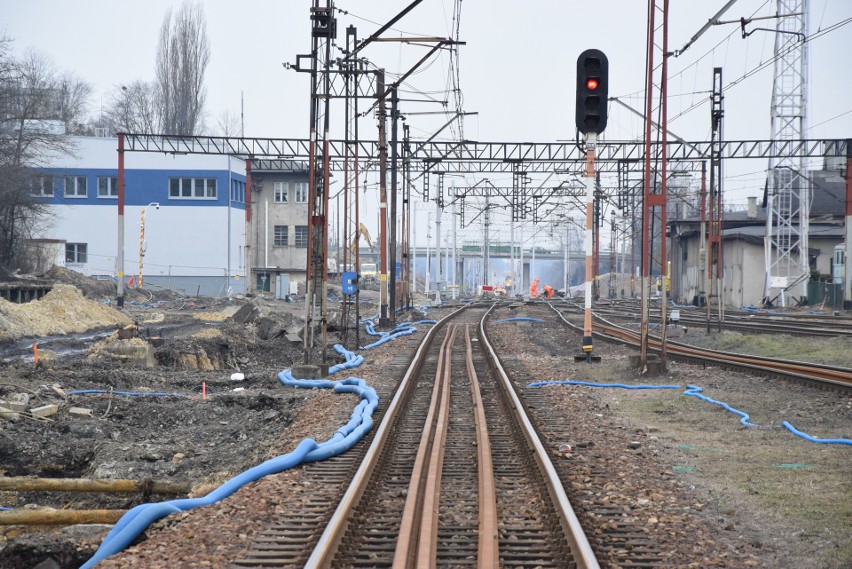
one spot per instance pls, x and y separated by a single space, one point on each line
754 497
166 404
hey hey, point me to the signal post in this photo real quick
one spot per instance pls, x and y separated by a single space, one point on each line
591 115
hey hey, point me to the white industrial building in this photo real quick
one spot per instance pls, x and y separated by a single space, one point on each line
194 209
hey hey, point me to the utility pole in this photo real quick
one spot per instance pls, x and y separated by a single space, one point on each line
383 201
847 294
486 229
119 258
591 141
714 245
567 260
455 252
613 248
392 244
323 34
439 273
702 248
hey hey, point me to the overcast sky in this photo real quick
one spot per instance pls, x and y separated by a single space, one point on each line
517 68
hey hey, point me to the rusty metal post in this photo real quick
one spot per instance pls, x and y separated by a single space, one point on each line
119 258
383 202
591 141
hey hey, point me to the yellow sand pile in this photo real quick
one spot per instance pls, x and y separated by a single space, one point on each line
220 316
64 310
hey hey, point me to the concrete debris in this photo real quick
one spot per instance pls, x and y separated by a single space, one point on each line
8 414
127 332
80 411
23 398
44 411
133 351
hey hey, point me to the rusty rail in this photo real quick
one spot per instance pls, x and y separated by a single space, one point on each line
326 546
418 533
489 547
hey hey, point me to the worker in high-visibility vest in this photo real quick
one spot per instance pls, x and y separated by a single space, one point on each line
548 291
534 289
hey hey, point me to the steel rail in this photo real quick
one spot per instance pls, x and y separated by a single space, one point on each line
584 557
488 551
328 543
417 542
787 324
830 375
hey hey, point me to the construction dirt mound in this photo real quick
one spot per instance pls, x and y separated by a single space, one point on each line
64 310
168 388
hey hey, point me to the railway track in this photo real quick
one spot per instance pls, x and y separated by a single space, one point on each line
838 377
445 486
738 320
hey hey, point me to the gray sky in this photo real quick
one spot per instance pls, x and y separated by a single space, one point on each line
516 70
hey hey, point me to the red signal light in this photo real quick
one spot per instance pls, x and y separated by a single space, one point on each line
592 83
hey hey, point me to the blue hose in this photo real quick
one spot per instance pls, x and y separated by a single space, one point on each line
351 360
590 384
360 423
518 319
807 437
404 329
125 393
139 518
695 391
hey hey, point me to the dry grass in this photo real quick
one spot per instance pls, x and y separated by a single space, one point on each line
797 490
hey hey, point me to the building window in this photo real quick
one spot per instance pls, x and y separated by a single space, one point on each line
238 191
282 235
192 188
75 186
301 239
75 252
301 192
282 189
107 187
41 186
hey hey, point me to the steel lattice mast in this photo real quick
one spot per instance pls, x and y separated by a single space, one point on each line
788 195
323 33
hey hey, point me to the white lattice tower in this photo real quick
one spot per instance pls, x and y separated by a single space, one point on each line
788 203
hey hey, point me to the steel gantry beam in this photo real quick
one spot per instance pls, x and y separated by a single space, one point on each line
471 156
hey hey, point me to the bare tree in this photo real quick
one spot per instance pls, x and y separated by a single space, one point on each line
37 106
133 108
73 102
228 124
22 217
183 53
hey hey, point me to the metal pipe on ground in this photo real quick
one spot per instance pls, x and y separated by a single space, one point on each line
26 484
59 517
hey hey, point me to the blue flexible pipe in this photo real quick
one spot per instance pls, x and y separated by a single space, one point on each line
590 384
695 391
519 319
139 518
125 393
403 329
807 437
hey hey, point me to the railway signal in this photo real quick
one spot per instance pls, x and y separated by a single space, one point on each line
592 89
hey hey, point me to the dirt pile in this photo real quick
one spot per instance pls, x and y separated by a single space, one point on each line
64 310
